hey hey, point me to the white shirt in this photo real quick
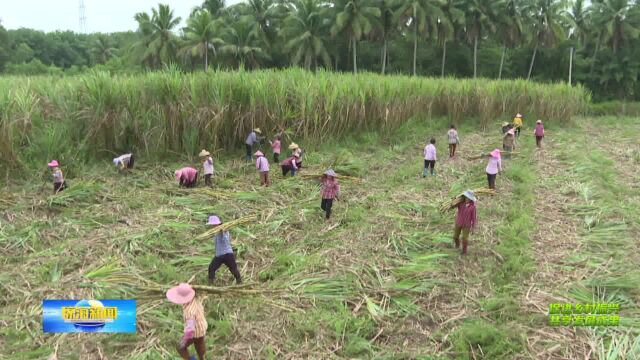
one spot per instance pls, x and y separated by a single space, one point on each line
122 159
208 166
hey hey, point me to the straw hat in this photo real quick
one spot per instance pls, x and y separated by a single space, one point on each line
470 195
258 153
505 124
53 163
258 130
204 153
214 220
518 115
181 294
331 173
293 146
539 122
495 153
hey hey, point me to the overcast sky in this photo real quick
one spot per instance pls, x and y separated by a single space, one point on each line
102 15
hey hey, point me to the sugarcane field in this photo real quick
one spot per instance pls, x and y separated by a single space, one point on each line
251 210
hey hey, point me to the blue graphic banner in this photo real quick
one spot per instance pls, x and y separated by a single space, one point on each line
104 316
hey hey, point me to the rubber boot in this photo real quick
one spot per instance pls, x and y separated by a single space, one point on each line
464 246
433 173
425 172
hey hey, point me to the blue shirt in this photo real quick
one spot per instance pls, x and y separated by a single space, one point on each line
223 243
251 139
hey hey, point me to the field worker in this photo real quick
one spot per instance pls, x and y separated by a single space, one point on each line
224 252
330 189
276 144
539 133
517 123
509 142
262 164
187 177
465 220
290 164
124 161
429 158
493 168
454 140
297 150
195 321
251 140
207 166
505 127
58 179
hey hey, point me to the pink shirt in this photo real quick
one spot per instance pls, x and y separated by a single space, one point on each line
275 146
539 131
330 188
187 174
262 164
494 166
430 152
290 161
466 217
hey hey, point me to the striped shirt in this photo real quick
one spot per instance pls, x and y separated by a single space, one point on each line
262 164
330 188
453 136
430 152
194 318
466 217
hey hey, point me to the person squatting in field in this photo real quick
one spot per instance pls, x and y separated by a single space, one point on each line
262 164
493 168
251 140
330 190
454 140
187 177
195 322
224 252
124 161
539 133
58 178
207 166
465 220
429 158
290 164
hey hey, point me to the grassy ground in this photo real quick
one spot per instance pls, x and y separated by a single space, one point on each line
380 280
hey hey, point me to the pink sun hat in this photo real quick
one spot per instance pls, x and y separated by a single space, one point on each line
181 294
214 220
53 163
496 153
258 153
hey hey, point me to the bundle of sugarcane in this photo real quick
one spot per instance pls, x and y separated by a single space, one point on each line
226 226
450 204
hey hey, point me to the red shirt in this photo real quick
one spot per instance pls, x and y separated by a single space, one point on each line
466 217
290 161
330 188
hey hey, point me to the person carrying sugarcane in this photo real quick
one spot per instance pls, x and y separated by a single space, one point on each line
224 252
465 220
124 161
517 123
290 164
330 190
454 140
276 145
509 142
430 158
251 140
187 177
262 164
207 165
195 321
539 133
493 167
59 183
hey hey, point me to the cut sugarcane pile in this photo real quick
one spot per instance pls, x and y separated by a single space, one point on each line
450 204
226 226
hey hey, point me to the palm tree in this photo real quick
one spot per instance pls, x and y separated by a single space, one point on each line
214 7
157 34
579 16
620 20
423 15
243 44
547 17
354 18
200 36
509 26
304 31
145 33
102 49
385 27
447 25
479 18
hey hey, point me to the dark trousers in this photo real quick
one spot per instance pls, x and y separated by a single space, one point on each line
57 187
326 205
249 151
492 180
430 164
207 180
198 343
130 164
286 169
276 158
518 131
539 141
452 150
227 259
189 184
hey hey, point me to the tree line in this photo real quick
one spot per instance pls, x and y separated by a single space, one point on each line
590 42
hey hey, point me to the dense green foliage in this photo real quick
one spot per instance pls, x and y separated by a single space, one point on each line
96 115
462 38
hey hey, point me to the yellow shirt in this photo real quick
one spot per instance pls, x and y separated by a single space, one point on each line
195 311
517 122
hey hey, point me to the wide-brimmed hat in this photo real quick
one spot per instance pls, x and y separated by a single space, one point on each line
293 146
505 124
495 153
470 195
330 172
181 294
258 153
518 115
53 163
214 220
539 122
204 153
258 130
